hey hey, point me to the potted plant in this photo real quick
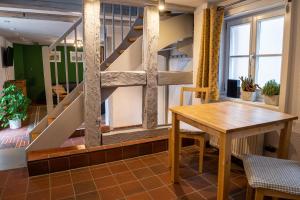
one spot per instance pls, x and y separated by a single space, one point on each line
248 92
271 92
13 107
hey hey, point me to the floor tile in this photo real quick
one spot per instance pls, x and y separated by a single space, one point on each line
38 183
105 182
62 192
134 164
151 182
84 187
88 196
39 195
150 160
118 168
180 189
100 172
162 193
81 176
192 196
197 182
56 181
209 192
140 196
159 169
132 188
111 193
124 177
143 173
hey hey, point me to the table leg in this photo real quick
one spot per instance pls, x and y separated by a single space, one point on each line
284 140
224 166
175 149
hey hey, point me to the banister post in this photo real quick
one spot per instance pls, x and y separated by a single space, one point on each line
150 54
92 88
47 78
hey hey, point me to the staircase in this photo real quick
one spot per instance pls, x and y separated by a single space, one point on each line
67 116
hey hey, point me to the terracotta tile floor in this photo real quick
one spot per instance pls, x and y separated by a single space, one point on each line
139 178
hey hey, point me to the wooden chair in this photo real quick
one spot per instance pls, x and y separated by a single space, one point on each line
272 177
190 134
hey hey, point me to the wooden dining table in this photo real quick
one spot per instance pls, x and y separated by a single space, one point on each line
228 121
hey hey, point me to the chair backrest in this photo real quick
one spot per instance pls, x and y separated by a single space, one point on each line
203 91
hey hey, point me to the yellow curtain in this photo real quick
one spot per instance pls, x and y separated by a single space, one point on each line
207 75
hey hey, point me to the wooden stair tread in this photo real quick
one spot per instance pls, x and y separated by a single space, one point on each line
50 120
133 39
138 27
34 135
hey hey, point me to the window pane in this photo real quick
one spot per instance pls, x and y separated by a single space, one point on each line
238 67
268 68
270 36
239 39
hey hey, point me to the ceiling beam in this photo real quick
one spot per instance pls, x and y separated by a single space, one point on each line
76 5
38 16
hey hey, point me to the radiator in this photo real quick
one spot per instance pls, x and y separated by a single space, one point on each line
248 145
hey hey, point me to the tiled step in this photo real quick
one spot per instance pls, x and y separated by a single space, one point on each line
61 159
121 51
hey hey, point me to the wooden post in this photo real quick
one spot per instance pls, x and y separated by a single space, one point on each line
150 47
92 92
47 78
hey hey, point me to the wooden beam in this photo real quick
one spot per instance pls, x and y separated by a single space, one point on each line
76 5
38 16
175 78
123 78
150 54
92 92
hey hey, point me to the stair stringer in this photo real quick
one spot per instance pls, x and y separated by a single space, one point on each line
186 47
61 128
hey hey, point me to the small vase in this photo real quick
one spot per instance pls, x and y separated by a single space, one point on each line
15 124
272 100
248 96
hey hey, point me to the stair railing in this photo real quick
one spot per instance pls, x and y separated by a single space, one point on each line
114 15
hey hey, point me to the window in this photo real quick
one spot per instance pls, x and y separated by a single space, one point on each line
254 47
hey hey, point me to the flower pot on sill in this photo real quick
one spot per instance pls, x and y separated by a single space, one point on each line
248 96
15 124
272 100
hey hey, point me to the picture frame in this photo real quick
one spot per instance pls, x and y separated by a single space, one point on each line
52 56
73 57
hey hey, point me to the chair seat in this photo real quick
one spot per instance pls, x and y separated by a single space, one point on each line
272 173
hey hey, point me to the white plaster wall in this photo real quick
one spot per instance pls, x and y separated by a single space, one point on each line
294 97
5 73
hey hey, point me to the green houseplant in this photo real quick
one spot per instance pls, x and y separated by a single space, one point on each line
249 88
271 92
13 107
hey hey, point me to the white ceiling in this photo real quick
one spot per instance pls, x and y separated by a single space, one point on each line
28 31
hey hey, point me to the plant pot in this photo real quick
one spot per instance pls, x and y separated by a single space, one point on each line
272 100
15 124
248 96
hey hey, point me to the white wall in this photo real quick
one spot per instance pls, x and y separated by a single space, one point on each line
294 97
5 73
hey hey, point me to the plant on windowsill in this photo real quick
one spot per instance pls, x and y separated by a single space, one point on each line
249 88
271 92
13 107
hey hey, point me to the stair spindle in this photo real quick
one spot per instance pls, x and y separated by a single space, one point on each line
66 65
130 16
76 63
104 28
56 73
122 23
113 26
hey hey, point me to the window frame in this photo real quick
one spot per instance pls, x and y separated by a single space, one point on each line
253 19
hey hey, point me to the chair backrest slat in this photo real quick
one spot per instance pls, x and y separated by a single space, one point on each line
203 91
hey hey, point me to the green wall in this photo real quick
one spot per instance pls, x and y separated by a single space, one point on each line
28 65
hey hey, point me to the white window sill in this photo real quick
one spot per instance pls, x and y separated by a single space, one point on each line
256 103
